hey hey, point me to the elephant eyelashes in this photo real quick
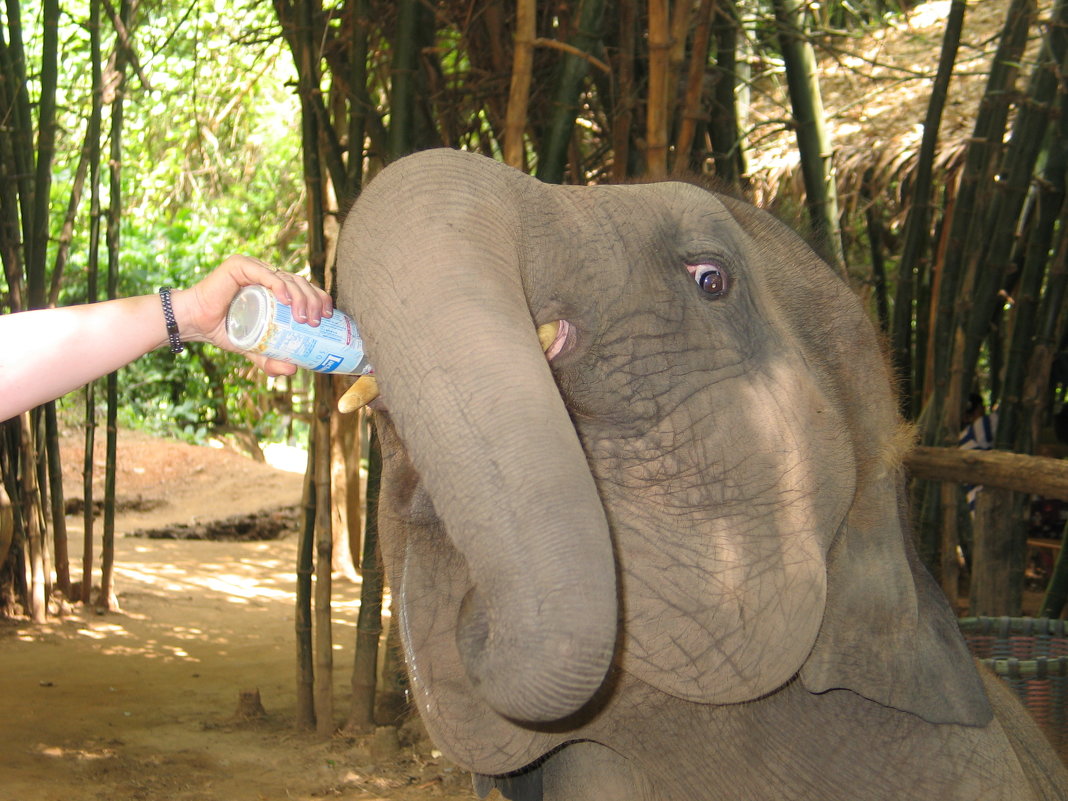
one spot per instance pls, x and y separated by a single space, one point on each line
713 279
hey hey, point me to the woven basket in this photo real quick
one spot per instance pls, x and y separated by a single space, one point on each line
1031 656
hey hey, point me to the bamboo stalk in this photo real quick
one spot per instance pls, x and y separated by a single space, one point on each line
324 546
124 41
11 144
1050 330
359 101
1014 179
656 114
369 620
107 599
1056 595
723 125
875 247
20 120
691 106
319 466
680 27
66 234
918 219
940 419
813 139
46 147
88 518
623 111
1014 429
999 555
402 79
553 153
302 617
55 492
965 226
36 580
573 50
515 121
93 143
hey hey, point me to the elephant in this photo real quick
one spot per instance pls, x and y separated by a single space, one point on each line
643 506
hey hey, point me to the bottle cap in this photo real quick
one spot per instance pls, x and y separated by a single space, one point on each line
246 321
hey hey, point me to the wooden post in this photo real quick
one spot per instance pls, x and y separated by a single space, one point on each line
1038 475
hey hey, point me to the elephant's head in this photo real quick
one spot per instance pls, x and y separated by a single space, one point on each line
694 488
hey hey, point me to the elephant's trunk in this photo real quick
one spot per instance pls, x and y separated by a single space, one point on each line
430 268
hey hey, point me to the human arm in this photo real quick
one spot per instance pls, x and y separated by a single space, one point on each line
48 352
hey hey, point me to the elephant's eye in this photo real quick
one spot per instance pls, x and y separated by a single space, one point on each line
712 278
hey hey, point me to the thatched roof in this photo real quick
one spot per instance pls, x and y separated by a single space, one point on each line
875 88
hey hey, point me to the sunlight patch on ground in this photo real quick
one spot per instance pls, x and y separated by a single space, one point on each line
285 457
101 631
264 581
928 14
58 752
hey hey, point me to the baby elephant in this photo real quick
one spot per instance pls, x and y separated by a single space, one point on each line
643 508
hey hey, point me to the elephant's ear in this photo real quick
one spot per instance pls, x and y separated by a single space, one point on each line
888 633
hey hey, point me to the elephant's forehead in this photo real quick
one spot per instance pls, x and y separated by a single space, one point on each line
655 203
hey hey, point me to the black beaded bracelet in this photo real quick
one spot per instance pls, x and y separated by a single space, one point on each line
172 324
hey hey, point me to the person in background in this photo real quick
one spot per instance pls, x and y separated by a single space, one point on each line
979 428
46 353
978 432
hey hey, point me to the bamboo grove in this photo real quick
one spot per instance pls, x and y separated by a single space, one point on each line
958 241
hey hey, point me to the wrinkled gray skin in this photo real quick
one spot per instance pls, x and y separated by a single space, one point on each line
670 561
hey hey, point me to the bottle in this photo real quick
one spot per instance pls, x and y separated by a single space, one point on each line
258 322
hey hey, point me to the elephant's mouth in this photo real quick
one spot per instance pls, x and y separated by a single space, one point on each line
557 338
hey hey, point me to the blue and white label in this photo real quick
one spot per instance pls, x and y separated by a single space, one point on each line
258 322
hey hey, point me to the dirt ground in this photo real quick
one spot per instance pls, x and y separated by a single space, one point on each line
141 704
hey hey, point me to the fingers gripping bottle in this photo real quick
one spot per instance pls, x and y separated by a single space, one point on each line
259 323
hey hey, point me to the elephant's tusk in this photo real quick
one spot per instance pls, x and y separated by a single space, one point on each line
547 334
359 394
